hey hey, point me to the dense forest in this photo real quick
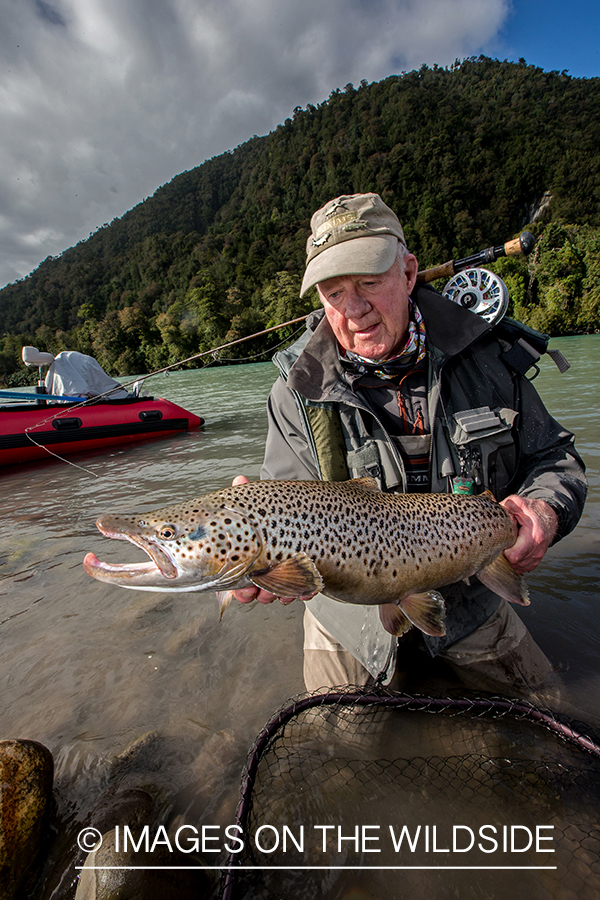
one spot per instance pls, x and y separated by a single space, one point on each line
467 156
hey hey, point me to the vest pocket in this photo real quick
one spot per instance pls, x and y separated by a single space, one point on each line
365 461
484 443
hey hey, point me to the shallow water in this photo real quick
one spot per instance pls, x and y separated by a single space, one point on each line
90 670
564 614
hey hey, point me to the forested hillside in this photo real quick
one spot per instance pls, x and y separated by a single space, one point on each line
467 156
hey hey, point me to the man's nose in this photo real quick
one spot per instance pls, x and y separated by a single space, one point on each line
356 303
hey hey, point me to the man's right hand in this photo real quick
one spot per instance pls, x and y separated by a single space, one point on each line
247 595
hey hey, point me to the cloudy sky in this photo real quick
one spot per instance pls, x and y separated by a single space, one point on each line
102 101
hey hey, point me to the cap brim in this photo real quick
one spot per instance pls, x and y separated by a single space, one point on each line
372 255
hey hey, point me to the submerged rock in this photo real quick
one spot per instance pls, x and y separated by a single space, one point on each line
137 789
26 773
105 878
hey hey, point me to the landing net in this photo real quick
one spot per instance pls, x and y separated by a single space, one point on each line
356 794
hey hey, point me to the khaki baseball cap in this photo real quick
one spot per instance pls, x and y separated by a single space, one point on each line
354 234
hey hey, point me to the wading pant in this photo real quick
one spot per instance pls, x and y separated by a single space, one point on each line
500 654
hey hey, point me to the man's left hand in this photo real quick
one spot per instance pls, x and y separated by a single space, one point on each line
537 527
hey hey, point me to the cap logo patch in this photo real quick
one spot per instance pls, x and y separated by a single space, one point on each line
334 208
318 242
336 222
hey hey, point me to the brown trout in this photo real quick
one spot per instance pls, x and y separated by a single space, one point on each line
346 539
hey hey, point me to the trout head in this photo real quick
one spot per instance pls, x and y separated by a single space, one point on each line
200 545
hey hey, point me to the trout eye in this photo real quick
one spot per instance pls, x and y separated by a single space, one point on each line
167 532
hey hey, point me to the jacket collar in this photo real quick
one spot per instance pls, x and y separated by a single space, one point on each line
317 374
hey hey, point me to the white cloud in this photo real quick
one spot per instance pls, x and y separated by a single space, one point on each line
102 101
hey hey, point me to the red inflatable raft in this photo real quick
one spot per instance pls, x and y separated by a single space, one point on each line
26 429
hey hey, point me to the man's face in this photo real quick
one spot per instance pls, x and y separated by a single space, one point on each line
369 313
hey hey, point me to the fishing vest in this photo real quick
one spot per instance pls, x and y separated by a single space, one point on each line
470 440
348 441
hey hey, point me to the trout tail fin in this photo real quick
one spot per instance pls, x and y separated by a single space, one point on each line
501 578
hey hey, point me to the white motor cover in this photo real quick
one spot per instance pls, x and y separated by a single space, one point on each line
74 374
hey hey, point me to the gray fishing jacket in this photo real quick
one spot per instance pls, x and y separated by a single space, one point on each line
487 423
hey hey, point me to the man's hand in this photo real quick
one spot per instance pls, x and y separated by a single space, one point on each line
247 595
537 526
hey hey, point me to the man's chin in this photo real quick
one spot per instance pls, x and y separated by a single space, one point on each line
371 349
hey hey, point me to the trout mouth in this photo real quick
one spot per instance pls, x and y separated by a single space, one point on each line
160 563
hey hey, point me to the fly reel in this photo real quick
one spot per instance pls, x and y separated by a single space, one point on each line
481 291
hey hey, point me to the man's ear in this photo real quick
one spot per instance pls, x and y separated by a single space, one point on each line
411 267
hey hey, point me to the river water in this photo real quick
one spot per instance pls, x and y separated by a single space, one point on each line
145 690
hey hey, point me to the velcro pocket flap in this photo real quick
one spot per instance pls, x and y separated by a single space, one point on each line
477 424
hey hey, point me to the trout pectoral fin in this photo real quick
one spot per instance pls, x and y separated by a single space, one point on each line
501 578
425 611
294 577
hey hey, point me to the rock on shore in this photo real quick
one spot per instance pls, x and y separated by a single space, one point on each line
26 775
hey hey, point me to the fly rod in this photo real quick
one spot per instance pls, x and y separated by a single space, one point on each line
520 246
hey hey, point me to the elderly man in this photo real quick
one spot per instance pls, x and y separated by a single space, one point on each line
393 380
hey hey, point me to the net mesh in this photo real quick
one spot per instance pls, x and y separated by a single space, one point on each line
358 794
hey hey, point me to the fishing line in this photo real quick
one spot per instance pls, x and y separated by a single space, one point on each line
243 359
216 350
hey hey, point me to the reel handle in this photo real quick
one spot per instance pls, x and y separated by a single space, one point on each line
523 245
